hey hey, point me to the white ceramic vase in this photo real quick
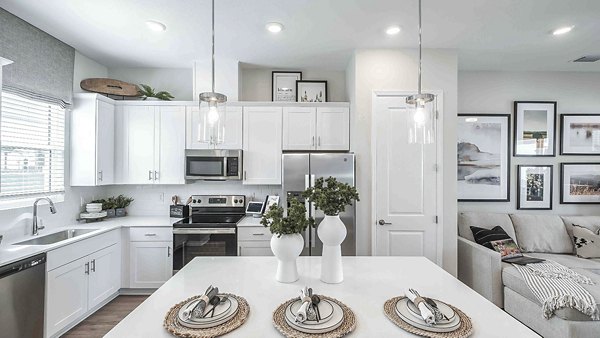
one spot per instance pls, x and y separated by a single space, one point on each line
332 233
287 248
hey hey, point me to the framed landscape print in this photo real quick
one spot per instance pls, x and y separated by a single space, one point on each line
580 134
483 158
580 183
283 86
534 187
535 128
311 91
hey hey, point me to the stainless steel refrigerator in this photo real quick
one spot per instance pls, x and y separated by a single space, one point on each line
300 170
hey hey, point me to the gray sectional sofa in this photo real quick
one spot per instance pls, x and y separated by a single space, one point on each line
543 236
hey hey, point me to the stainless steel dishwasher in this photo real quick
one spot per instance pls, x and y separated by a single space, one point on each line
22 289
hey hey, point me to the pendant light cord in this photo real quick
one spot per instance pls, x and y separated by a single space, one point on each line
420 53
213 46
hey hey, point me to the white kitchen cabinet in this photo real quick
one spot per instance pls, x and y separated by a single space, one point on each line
92 140
262 145
170 155
150 264
257 248
233 129
333 128
299 128
103 281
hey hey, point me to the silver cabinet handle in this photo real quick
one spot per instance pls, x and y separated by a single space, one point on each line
319 144
382 222
312 143
100 175
87 268
156 175
258 234
245 175
168 251
149 175
93 265
150 234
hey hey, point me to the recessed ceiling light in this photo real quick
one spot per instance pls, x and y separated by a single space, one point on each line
156 26
562 30
274 27
393 30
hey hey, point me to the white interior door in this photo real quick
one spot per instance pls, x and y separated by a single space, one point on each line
405 184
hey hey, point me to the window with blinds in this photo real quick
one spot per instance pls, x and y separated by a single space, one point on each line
32 143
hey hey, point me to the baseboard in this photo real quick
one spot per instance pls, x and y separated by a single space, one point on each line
136 292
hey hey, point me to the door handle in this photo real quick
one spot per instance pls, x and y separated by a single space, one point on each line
149 175
382 222
93 265
87 268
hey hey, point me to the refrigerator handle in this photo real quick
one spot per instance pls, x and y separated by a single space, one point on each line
313 211
307 238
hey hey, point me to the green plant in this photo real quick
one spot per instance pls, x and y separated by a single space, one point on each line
122 201
107 203
147 91
295 222
331 196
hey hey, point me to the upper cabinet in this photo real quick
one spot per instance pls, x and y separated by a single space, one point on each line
233 129
262 145
92 140
150 144
316 128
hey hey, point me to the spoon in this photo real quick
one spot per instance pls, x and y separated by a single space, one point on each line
214 302
315 302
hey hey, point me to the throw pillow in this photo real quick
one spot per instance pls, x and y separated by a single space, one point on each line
486 236
587 243
507 248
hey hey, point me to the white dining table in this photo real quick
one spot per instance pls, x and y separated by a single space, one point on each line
368 283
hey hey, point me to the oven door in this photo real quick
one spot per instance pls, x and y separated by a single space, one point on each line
201 242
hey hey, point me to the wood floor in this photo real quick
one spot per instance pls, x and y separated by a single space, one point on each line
98 324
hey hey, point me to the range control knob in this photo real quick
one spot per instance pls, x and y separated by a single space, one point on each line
193 201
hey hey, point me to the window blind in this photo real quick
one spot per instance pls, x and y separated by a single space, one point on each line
32 143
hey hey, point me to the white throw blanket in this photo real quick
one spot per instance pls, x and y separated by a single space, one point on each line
557 287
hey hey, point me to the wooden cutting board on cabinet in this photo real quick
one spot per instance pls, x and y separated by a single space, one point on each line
109 86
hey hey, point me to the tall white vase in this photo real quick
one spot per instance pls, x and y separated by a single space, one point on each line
287 248
332 233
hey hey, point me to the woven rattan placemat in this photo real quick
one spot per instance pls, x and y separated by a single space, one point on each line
465 329
172 324
348 324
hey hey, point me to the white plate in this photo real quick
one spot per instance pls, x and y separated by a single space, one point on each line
325 307
406 315
443 307
337 318
208 322
222 310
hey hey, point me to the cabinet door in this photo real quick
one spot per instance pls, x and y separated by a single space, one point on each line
254 248
192 119
105 274
299 124
233 129
67 295
333 128
170 158
262 145
139 121
150 264
105 143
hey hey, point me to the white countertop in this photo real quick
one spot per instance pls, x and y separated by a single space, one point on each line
11 253
250 221
369 282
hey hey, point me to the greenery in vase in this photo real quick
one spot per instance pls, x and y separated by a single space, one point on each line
295 222
331 196
147 91
122 201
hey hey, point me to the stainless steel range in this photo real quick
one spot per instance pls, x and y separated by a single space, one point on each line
210 229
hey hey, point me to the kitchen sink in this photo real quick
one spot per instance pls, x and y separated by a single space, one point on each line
55 237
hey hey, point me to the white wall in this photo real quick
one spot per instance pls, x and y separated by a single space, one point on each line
494 92
85 68
177 81
256 83
371 70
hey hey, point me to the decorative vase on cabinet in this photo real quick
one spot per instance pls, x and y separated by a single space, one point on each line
287 248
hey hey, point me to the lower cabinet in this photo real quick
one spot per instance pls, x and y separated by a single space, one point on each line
150 264
254 241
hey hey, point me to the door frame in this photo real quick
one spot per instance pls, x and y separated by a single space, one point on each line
439 172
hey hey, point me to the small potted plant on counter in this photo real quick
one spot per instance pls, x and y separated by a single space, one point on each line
121 202
287 241
331 197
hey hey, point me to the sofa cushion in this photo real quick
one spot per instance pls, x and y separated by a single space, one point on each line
486 236
486 220
587 243
570 261
541 233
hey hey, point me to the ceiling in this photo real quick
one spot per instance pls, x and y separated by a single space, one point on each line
488 34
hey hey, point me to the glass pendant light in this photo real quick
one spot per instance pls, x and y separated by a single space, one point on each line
421 110
211 128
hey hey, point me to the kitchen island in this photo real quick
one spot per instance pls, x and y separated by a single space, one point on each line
369 282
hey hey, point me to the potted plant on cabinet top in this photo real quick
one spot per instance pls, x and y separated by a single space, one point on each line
331 197
287 241
121 202
147 92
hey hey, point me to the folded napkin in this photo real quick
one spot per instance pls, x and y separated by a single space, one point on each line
302 314
196 308
427 315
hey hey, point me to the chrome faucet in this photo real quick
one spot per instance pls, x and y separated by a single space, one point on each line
37 227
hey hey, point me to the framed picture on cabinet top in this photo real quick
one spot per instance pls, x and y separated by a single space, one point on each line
311 91
535 128
580 183
534 187
483 171
283 86
580 134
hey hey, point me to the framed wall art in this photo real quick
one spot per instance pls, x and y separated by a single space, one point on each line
534 187
483 158
535 128
580 134
580 183
311 91
283 86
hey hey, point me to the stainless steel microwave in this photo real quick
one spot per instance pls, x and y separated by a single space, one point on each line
212 164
